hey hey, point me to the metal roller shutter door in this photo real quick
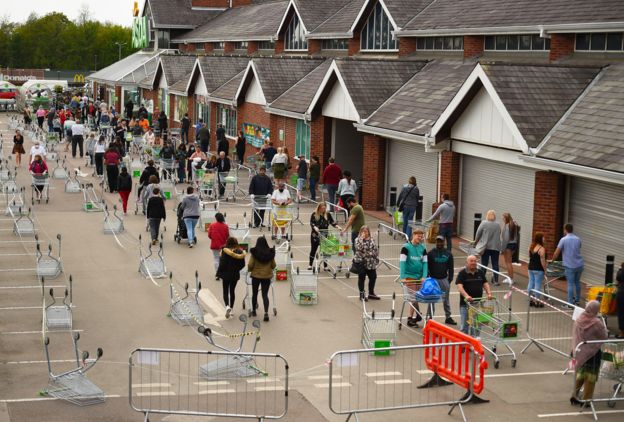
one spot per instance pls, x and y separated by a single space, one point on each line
491 185
596 210
407 159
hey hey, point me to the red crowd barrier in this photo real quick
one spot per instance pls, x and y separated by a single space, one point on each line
454 362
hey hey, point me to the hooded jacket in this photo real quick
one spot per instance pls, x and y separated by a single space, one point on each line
218 234
261 263
230 264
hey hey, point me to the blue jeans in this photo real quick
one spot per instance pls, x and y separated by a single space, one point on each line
312 189
354 236
191 223
573 276
446 230
491 254
463 319
331 193
408 215
535 282
300 184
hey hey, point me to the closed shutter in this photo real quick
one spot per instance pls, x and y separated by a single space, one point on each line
596 210
408 159
491 185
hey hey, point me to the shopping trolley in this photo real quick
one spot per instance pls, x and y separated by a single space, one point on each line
612 367
204 180
113 224
240 231
378 329
260 204
167 188
48 266
40 188
168 169
59 317
72 184
91 201
283 259
304 286
494 324
230 367
60 172
228 179
554 272
335 251
186 310
245 275
410 288
282 218
468 248
136 167
150 265
24 225
73 385
207 214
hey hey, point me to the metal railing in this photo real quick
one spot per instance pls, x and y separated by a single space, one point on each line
208 383
390 241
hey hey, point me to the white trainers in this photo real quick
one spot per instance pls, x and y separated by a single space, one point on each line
228 311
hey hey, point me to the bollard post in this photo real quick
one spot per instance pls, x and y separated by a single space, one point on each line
359 185
477 223
419 209
516 255
393 196
609 268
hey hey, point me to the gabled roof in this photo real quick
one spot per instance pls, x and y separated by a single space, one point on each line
226 92
338 25
415 107
276 75
534 98
592 134
179 14
368 82
513 16
297 99
217 70
313 13
129 70
173 67
257 22
180 87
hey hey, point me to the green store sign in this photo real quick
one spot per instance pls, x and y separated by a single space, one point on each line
139 32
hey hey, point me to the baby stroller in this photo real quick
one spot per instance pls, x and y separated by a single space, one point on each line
181 233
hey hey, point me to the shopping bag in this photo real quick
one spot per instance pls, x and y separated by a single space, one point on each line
432 232
430 287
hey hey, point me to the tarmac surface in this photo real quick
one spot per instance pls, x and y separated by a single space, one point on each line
118 309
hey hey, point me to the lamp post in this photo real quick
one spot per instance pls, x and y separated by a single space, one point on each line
120 44
95 59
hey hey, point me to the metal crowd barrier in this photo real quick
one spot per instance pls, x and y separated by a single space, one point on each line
390 241
208 383
339 214
607 388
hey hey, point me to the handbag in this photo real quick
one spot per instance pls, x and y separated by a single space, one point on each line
357 267
401 205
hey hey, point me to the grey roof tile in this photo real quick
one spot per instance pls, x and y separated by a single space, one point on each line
228 90
454 14
601 146
176 66
181 85
217 70
402 11
419 103
278 74
341 21
315 12
177 13
297 99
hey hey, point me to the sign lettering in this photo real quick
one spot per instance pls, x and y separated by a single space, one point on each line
139 32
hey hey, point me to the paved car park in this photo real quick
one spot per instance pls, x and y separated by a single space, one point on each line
119 310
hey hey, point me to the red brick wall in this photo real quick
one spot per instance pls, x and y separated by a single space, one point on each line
211 3
119 99
450 165
320 139
289 126
407 46
314 46
354 44
374 172
548 207
229 47
208 47
252 47
561 45
279 46
191 115
171 111
473 45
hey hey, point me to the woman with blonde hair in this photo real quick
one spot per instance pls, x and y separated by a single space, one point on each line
367 256
509 239
488 242
320 220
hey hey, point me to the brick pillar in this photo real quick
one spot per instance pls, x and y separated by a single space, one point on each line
473 45
210 3
374 173
314 46
208 47
191 116
279 46
450 164
213 118
548 207
190 48
119 99
561 46
229 47
320 139
171 111
407 46
252 47
354 44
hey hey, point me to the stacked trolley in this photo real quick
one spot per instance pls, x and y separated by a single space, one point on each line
304 286
378 328
59 317
150 265
495 325
283 260
335 251
185 310
260 205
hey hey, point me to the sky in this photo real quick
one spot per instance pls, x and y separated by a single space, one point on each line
115 11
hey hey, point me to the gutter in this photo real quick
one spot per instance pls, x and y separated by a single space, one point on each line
285 113
222 39
575 169
393 134
220 101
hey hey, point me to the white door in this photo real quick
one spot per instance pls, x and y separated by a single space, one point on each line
408 159
596 210
491 185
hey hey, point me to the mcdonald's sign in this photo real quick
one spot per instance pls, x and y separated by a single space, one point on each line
79 78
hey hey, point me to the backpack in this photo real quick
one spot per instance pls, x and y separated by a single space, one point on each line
430 289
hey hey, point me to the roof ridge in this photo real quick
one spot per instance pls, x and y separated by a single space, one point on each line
418 14
332 16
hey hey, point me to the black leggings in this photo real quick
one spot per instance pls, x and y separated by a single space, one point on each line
265 284
229 288
372 278
315 242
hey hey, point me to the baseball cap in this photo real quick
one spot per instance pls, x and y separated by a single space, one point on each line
440 237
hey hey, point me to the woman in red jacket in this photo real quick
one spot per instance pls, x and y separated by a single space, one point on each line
218 233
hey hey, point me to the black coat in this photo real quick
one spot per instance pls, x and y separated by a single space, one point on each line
226 165
156 208
124 182
230 264
260 185
224 146
147 172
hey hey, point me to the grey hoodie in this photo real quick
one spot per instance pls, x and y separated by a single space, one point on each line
190 205
446 212
488 236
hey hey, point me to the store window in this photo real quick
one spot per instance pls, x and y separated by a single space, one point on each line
266 45
337 44
294 39
202 110
302 139
163 101
181 107
219 45
600 41
241 45
377 32
226 116
516 43
163 39
440 43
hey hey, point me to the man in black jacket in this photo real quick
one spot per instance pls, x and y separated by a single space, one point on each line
223 166
184 131
223 146
204 137
440 264
260 186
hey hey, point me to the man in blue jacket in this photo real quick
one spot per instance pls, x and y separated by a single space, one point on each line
413 265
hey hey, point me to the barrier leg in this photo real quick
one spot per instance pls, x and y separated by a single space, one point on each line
533 342
435 381
469 397
355 416
461 409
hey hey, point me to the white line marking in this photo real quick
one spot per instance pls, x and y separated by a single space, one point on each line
34 332
211 383
324 377
600 412
217 391
384 382
19 308
30 287
424 371
382 374
155 393
26 362
271 388
108 396
523 374
154 384
334 385
262 380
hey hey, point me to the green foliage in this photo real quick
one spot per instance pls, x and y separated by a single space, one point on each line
53 41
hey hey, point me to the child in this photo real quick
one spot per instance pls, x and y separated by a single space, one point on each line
231 263
218 233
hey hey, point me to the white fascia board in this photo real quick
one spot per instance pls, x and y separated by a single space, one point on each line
333 68
361 13
479 73
283 21
221 101
329 35
285 113
196 68
250 68
391 134
158 66
574 169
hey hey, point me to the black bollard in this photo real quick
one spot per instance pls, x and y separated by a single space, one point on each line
609 268
477 223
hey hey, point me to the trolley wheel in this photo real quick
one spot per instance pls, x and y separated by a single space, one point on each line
513 363
348 274
136 212
177 239
32 201
243 304
494 349
47 200
400 325
274 311
334 276
611 404
496 364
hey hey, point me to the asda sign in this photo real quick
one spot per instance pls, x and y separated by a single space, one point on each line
139 32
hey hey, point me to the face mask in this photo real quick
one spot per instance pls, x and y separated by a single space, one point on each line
281 190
